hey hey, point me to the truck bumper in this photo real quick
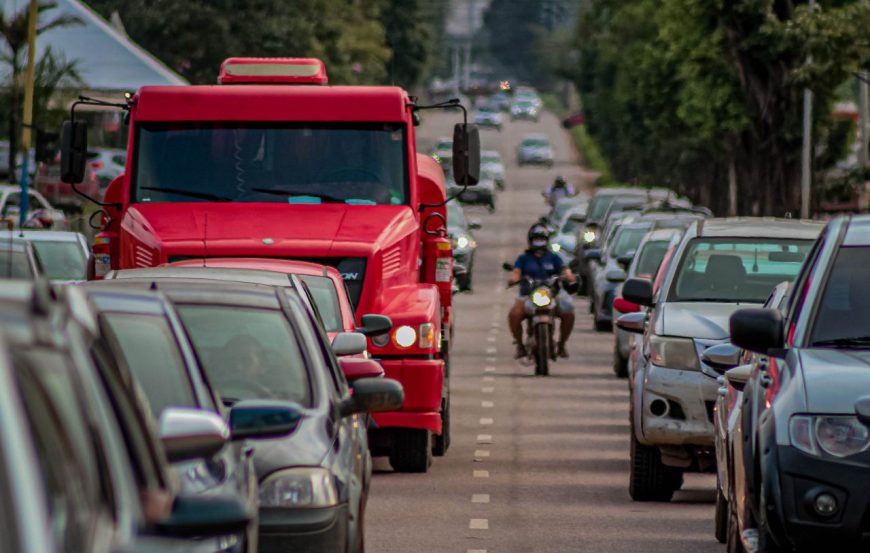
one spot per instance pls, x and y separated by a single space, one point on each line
423 381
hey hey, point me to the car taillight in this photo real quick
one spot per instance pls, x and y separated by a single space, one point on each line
102 256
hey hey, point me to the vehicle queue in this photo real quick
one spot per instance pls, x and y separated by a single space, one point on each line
222 403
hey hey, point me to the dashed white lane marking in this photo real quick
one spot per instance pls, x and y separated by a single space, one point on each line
480 498
491 350
489 379
486 421
487 404
484 438
491 359
496 324
489 369
476 551
481 474
487 389
481 453
490 339
478 524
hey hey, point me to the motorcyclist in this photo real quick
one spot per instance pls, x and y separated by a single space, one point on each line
539 263
558 190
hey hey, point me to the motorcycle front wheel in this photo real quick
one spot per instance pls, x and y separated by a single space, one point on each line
542 349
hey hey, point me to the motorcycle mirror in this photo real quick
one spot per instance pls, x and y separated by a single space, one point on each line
507 266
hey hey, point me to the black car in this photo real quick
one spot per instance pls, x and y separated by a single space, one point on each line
101 479
258 342
463 242
803 458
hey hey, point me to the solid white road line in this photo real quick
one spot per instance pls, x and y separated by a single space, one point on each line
480 498
478 524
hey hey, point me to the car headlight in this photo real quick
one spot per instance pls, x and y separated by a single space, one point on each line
462 242
299 487
839 436
674 353
541 297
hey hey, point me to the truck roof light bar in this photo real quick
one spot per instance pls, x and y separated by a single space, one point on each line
273 71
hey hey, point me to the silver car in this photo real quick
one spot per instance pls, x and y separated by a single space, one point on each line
719 266
64 256
492 164
535 149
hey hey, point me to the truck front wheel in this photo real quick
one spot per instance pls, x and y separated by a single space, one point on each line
442 442
411 450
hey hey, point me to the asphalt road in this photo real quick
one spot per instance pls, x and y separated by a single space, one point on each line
537 464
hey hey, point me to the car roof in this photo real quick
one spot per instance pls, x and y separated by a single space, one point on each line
761 227
260 265
216 274
662 234
858 233
142 301
209 293
43 235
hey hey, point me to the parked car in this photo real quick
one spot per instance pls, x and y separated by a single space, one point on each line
102 468
720 265
463 242
645 264
492 164
488 116
535 149
18 260
40 213
63 256
801 456
285 356
107 163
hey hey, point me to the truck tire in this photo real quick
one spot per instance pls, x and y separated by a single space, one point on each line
412 450
620 365
542 349
441 443
650 479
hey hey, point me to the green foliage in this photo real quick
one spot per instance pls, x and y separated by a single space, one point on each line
412 31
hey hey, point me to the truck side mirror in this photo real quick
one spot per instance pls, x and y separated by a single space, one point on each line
73 151
466 154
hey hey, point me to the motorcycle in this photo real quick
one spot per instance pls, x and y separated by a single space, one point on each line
541 324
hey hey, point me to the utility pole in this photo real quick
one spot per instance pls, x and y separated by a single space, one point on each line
807 153
466 78
27 121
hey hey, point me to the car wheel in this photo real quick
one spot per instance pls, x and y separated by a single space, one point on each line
602 325
412 450
650 479
732 538
722 515
620 365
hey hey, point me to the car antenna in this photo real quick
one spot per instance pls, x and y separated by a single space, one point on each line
204 239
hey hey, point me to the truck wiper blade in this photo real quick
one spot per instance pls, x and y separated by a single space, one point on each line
190 193
292 193
855 341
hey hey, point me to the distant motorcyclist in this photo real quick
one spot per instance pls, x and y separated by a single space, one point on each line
558 190
539 263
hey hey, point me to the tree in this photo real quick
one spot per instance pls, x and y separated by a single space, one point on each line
13 28
410 35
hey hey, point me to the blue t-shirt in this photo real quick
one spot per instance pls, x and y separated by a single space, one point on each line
539 268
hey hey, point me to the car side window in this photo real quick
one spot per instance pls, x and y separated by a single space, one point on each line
337 380
798 291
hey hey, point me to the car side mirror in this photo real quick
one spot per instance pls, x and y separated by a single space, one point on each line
189 434
466 154
758 330
639 291
593 254
738 376
374 325
632 322
195 516
615 275
263 419
349 343
355 368
722 357
373 395
73 151
474 224
862 409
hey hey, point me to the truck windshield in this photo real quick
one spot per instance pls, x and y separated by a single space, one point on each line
252 162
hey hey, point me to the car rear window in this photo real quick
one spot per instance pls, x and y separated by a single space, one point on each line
736 269
651 257
326 298
626 241
843 317
248 353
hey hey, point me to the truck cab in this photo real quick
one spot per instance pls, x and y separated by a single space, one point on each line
274 163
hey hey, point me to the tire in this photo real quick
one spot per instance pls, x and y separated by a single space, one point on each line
650 479
732 538
412 450
542 350
441 443
601 325
620 365
722 515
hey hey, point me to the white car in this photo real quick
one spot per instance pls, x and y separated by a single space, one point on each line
64 256
40 213
535 149
492 164
488 116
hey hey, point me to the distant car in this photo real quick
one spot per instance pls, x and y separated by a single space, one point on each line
492 164
40 213
801 456
488 116
483 193
63 256
18 260
501 101
48 182
107 163
525 109
535 149
463 242
443 151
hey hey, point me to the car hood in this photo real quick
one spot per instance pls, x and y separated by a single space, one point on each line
307 447
834 379
707 321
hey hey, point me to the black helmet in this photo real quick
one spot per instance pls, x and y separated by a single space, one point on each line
538 237
560 181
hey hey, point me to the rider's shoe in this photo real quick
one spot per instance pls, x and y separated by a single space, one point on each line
562 352
521 352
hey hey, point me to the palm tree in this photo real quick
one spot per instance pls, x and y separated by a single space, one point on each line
13 29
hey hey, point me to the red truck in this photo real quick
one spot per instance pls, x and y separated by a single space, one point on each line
262 166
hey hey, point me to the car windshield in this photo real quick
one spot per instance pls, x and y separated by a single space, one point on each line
598 207
736 269
14 264
146 344
487 109
843 317
490 157
61 260
326 299
248 353
651 257
536 143
251 162
455 216
626 240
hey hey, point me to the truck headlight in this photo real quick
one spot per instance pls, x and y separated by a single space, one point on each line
839 436
299 487
405 336
674 353
541 297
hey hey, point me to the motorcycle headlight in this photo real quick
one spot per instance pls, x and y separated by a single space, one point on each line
589 236
299 487
674 353
462 242
541 297
555 247
838 436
